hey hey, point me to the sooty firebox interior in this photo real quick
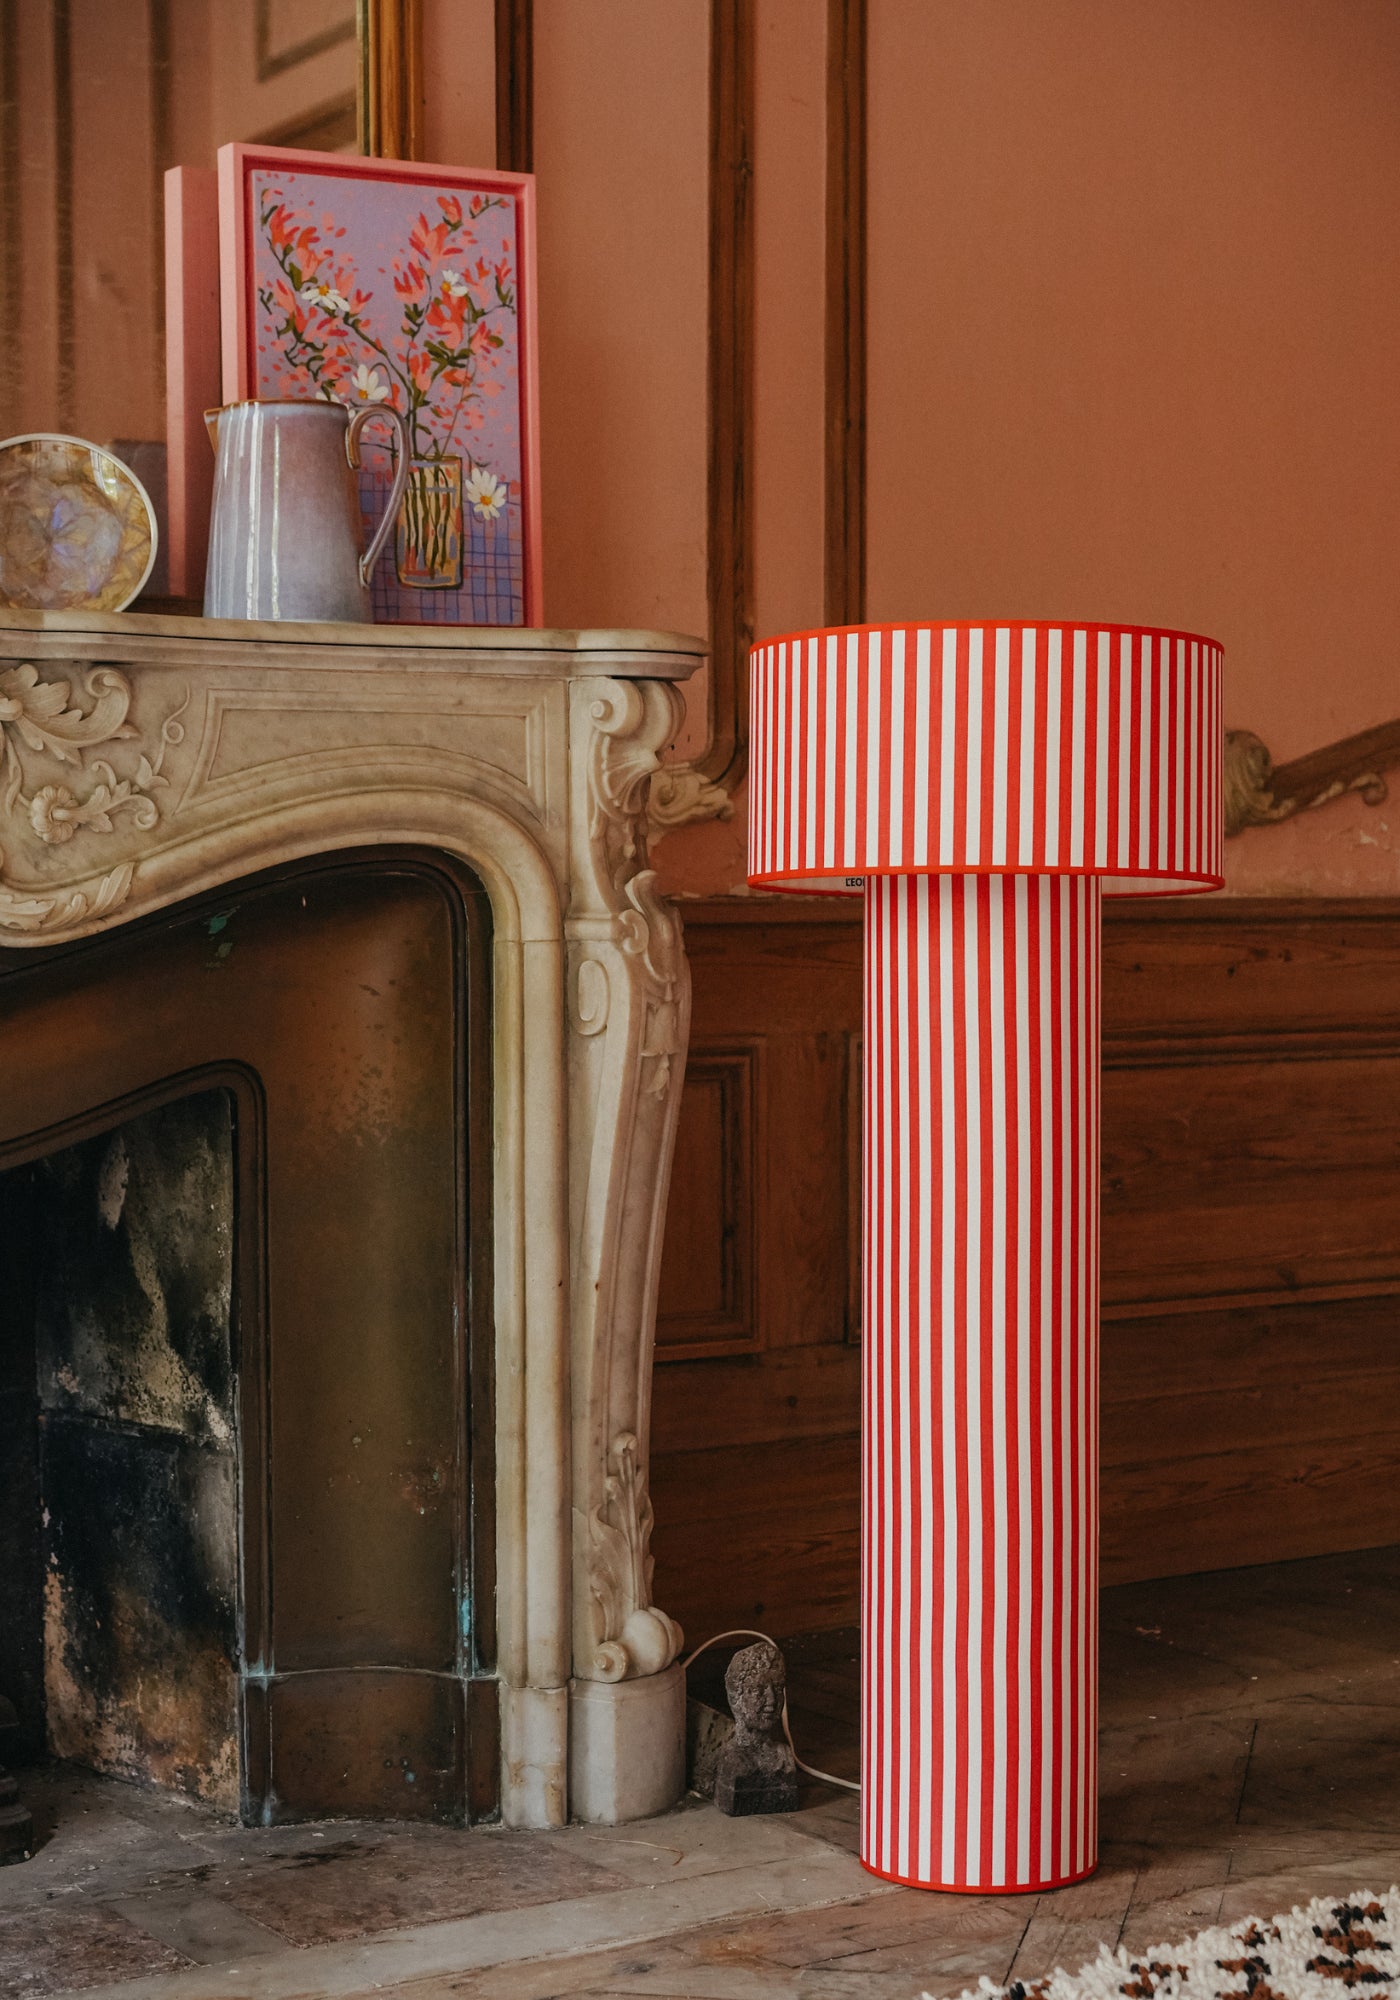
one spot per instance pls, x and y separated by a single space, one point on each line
119 1415
245 1347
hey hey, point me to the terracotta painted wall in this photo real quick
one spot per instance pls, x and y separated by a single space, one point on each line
96 101
1133 292
1133 289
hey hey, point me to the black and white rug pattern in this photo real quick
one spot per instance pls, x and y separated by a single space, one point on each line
1316 1953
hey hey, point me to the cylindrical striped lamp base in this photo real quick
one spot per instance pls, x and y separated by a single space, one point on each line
981 1381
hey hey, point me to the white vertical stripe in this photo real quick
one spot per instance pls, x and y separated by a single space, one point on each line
1083 891
948 746
972 774
894 1086
1193 758
809 711
969 1252
924 1345
923 676
1029 760
1001 700
1048 893
909 894
1076 750
1144 853
778 763
1179 732
793 687
1161 857
999 1027
1101 755
775 757
1125 747
829 751
850 845
948 1001
896 750
1065 1351
875 754
1024 1456
1053 676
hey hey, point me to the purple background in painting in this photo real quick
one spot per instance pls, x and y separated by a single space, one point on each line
377 217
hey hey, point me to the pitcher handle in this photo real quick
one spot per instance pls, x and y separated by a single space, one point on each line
391 512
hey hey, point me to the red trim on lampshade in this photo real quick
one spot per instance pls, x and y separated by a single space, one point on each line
989 749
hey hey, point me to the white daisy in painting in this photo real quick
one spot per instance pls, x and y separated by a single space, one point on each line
321 292
366 385
486 493
452 285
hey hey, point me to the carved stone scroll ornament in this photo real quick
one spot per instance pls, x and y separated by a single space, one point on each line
47 736
631 786
630 1021
681 795
620 1569
651 931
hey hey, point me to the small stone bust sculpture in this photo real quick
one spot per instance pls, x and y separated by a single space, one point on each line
756 1772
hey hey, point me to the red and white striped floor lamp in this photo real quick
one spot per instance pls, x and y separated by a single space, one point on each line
982 786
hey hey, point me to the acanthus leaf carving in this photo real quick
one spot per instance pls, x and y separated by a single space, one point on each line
681 795
636 1637
40 719
651 930
620 772
636 798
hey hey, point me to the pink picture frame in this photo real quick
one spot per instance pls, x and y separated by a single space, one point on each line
192 380
411 284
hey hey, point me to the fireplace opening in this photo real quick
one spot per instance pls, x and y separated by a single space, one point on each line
119 1415
246 1430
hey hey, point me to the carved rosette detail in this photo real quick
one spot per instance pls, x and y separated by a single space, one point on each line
643 1640
41 725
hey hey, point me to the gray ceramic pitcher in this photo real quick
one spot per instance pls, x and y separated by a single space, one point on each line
285 533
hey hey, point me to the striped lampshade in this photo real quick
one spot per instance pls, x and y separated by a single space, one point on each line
987 749
982 786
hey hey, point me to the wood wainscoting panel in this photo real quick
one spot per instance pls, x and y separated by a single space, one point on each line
1251 1251
755 1454
706 1303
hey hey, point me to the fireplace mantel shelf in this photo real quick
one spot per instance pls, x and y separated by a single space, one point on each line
145 760
510 649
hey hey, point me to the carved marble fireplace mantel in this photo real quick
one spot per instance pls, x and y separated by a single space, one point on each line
148 759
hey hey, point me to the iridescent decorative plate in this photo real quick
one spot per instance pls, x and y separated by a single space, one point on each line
77 528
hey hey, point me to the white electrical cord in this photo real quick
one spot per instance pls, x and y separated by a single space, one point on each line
846 1784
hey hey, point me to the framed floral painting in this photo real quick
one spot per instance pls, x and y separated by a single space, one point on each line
393 283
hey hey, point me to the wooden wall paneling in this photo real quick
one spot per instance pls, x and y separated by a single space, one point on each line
764 1535
11 209
274 53
515 86
845 313
855 1183
765 1438
707 1297
1251 1237
729 479
65 327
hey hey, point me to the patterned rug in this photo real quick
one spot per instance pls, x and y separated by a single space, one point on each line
1312 1954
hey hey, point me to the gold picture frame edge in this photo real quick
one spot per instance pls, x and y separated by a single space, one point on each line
390 37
